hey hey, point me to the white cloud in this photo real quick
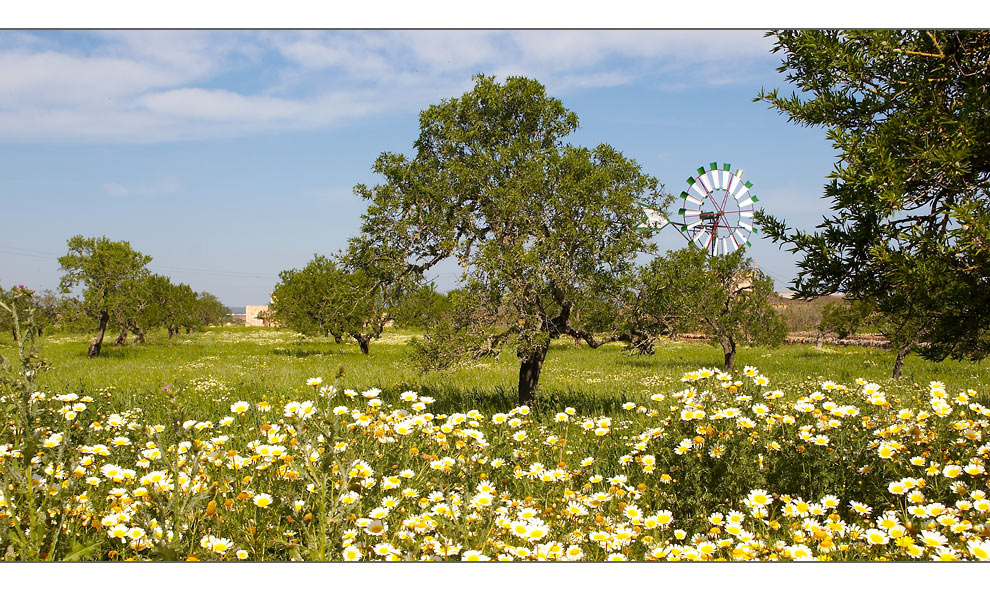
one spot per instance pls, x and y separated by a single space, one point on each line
220 105
147 86
166 187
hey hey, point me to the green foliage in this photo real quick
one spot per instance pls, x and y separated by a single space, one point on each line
421 307
305 299
724 297
536 224
209 310
103 267
327 298
909 114
106 270
842 318
468 331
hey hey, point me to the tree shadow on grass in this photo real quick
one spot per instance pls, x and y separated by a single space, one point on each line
549 400
110 351
301 353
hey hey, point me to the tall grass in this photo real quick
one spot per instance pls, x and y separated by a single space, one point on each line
262 363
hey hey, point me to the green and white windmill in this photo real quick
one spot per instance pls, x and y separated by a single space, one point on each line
716 210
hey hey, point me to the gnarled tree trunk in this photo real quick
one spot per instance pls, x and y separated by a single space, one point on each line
729 348
363 341
899 362
529 374
97 344
122 339
902 353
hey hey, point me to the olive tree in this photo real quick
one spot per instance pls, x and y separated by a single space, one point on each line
723 297
908 113
535 223
104 268
334 296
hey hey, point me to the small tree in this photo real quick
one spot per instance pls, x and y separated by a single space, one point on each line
536 224
129 314
104 268
70 315
46 306
209 309
724 297
180 309
841 319
302 299
335 297
905 328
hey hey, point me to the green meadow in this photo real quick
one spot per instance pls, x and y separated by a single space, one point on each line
259 363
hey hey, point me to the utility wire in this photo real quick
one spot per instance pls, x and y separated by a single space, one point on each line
37 254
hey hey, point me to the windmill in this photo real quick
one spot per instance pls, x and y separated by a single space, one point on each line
716 210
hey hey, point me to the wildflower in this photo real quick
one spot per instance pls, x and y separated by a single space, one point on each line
932 539
262 500
876 537
860 508
799 552
220 545
758 498
980 550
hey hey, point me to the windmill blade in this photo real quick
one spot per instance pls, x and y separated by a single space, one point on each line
690 199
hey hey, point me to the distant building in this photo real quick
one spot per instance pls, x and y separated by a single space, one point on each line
256 316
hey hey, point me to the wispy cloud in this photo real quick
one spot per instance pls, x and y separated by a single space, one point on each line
151 86
167 187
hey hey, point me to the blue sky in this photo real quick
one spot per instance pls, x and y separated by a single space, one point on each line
229 156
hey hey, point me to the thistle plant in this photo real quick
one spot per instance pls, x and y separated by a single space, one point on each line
23 533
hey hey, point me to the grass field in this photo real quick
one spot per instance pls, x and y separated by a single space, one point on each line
259 444
254 362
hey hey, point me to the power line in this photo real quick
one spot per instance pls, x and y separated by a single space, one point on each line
24 254
37 254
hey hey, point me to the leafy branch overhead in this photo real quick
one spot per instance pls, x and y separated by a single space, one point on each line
909 114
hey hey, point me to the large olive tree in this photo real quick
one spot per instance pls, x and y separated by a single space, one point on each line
535 223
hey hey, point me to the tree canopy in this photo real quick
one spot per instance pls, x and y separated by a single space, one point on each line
534 222
909 114
329 297
724 297
104 268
